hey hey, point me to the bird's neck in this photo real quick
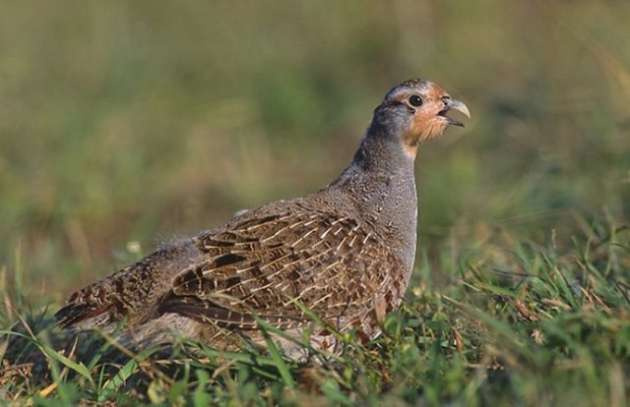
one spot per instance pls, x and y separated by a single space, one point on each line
381 182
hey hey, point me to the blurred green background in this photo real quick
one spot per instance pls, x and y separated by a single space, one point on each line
126 124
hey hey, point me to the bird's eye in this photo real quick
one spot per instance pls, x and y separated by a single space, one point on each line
415 100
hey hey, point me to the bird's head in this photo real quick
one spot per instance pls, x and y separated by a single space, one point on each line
416 111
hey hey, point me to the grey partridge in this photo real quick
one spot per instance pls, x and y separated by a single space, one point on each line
345 252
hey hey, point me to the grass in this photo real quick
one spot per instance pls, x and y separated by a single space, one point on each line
126 125
545 325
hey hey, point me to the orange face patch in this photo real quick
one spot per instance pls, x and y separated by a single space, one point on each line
426 122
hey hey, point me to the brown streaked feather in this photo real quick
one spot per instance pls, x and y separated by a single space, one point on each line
208 312
264 265
130 292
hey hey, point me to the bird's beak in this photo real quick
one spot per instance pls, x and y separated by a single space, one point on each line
452 104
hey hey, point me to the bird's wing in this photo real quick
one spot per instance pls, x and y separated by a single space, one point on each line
261 267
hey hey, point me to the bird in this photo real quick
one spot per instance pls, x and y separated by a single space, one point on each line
333 261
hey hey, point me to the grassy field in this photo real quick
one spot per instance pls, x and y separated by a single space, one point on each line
127 124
